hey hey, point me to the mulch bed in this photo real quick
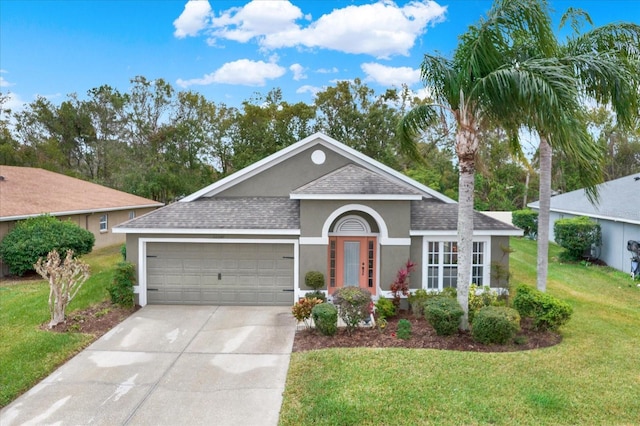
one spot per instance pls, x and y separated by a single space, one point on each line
95 320
423 336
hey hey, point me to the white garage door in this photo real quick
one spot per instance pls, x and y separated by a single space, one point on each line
220 274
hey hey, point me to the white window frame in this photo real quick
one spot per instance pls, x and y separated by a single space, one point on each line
104 223
486 264
132 214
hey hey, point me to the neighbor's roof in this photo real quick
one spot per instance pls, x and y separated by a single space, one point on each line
28 191
619 200
354 181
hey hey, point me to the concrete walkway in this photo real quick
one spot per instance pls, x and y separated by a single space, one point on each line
171 365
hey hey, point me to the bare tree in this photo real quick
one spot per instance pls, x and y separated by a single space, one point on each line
65 277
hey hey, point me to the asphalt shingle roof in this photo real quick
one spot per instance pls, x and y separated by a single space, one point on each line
432 215
223 213
618 199
28 191
353 179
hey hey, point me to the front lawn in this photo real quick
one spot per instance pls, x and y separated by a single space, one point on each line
27 353
592 377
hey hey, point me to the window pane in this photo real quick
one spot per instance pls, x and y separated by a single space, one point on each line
351 260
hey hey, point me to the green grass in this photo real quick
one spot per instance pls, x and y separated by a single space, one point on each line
28 354
592 377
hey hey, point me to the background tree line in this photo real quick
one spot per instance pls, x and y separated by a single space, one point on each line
160 143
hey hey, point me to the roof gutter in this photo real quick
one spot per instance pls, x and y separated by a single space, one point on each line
76 212
592 215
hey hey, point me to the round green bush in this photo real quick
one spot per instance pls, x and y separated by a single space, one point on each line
495 324
34 238
325 318
385 308
314 280
354 303
548 312
443 313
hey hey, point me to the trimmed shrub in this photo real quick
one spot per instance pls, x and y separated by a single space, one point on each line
301 310
417 300
34 238
404 329
325 317
478 300
385 308
449 292
576 235
527 220
495 324
123 252
443 313
121 288
548 312
316 295
314 280
354 304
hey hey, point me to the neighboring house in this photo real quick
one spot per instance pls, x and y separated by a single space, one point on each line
617 211
27 192
316 205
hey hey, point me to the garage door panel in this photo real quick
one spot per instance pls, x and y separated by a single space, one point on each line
209 273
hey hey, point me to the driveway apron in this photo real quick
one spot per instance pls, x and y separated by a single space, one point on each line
171 365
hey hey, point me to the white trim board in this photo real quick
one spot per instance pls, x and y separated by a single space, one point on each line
192 231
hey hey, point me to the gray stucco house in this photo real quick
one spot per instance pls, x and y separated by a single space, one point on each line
617 211
318 205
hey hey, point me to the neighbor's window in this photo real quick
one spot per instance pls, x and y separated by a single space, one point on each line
104 225
132 214
442 264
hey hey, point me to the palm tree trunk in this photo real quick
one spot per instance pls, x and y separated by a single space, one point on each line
466 148
543 214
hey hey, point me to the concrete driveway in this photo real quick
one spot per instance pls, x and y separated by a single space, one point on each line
171 365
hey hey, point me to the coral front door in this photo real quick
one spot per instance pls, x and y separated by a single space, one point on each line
352 262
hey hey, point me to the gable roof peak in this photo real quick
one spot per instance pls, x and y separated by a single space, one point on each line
317 138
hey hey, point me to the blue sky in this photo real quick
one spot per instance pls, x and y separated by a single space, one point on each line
231 50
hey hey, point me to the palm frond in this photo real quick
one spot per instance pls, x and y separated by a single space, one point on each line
439 75
412 125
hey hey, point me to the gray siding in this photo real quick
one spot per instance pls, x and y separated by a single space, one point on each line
392 258
312 258
314 213
280 179
416 257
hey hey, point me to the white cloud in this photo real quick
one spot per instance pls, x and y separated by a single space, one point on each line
309 89
390 76
298 72
256 19
193 18
327 70
243 72
381 29
14 102
3 82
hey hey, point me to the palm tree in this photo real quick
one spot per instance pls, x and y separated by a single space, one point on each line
605 65
485 85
